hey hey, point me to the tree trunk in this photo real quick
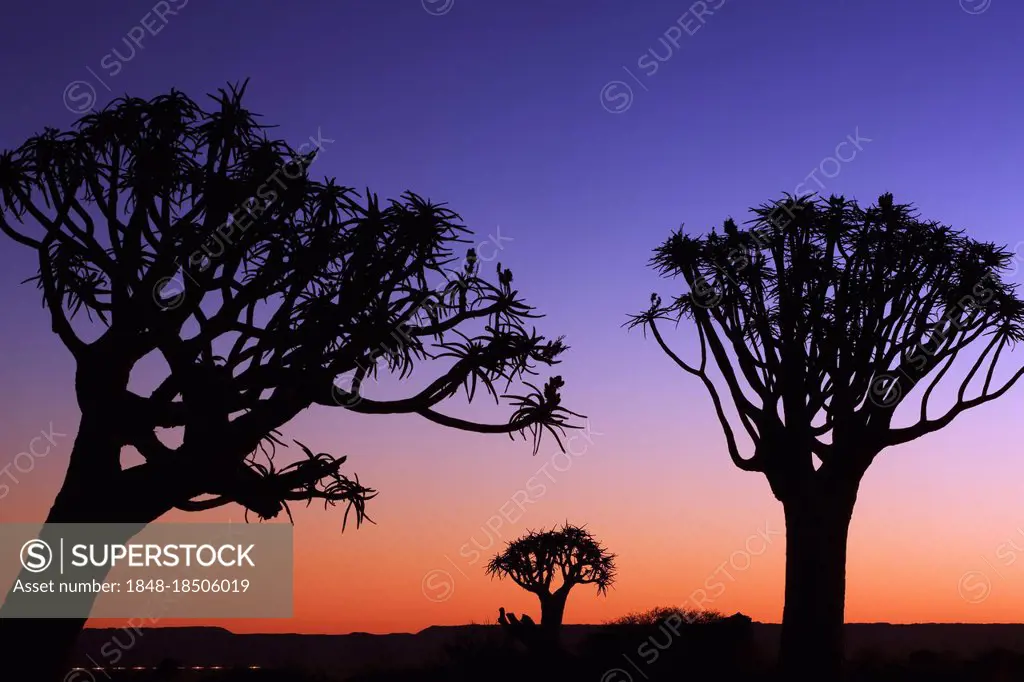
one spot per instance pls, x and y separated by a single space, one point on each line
27 638
812 620
552 610
42 648
39 650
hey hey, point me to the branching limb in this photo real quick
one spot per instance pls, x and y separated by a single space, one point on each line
751 464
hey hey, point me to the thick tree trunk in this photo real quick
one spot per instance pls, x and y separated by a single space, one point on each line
548 646
28 638
41 649
552 611
812 621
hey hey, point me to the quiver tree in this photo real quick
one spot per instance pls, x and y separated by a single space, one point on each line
190 238
550 563
823 319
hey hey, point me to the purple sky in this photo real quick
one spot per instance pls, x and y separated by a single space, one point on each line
501 109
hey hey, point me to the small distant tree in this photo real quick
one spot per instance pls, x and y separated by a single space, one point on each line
196 244
823 319
550 563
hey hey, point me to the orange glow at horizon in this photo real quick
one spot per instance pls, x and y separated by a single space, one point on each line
700 535
936 535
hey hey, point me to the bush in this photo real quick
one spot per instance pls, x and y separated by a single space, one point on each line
659 614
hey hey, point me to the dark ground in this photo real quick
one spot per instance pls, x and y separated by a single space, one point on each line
877 652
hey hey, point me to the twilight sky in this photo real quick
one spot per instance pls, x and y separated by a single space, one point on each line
554 126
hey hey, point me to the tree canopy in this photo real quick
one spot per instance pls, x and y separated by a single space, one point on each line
569 555
822 318
189 235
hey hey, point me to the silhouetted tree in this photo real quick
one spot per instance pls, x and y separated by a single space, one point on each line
550 563
822 319
193 241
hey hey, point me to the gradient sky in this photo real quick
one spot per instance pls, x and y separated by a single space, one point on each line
501 109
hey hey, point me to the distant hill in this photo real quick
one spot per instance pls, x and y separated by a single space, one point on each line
360 652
